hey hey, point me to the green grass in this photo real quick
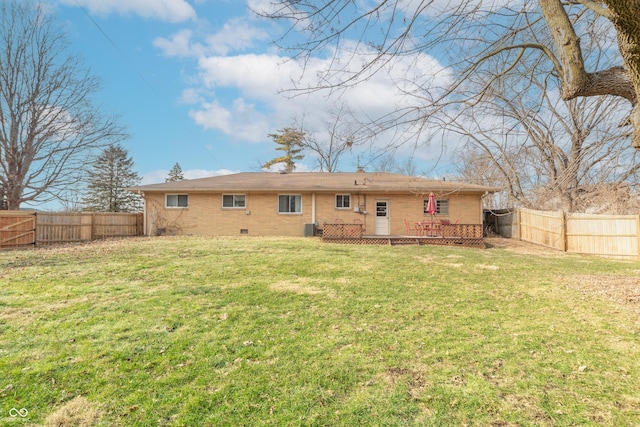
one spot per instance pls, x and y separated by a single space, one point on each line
214 332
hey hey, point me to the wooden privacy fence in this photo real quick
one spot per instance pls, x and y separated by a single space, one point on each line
605 235
17 228
65 227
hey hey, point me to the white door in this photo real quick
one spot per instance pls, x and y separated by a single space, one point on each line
381 223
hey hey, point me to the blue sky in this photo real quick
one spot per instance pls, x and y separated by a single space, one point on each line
199 82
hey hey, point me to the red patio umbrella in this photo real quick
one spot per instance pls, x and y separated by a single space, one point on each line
432 209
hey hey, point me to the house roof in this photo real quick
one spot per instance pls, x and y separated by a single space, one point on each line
314 182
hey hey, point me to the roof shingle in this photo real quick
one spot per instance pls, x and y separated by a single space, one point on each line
314 181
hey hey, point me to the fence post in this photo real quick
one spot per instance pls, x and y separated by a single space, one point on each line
35 228
93 225
519 223
638 234
563 232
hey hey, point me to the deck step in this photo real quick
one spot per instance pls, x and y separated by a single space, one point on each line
396 242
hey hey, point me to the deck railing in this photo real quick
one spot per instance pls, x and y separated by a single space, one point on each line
448 234
464 231
339 231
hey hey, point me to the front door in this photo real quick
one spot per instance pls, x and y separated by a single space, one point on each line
381 224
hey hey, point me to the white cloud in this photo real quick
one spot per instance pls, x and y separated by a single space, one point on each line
179 45
262 6
246 95
154 177
257 81
240 120
256 76
236 35
164 10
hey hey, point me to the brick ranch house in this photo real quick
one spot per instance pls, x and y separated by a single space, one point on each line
279 204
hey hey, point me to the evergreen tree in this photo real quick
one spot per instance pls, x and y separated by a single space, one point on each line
175 174
4 205
290 141
112 173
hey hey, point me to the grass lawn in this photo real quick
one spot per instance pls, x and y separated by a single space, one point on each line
273 331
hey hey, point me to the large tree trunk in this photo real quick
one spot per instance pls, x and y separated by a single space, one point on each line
626 20
616 81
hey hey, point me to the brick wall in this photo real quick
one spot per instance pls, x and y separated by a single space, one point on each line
205 215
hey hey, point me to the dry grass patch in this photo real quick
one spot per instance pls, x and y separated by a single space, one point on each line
442 261
21 316
298 286
488 267
522 247
78 412
623 290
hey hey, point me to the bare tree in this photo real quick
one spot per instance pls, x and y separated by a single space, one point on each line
469 36
545 151
387 162
48 124
342 134
558 155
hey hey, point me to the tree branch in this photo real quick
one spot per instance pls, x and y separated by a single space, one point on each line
595 7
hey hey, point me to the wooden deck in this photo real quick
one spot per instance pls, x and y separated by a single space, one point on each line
469 235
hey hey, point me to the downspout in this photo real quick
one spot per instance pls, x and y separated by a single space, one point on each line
486 193
313 208
144 213
363 211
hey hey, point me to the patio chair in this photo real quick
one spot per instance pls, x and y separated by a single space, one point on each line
359 221
434 228
415 228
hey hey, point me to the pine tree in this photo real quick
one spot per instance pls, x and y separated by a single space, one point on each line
290 141
112 173
175 174
4 205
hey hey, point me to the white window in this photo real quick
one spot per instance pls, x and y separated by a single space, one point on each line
177 201
233 201
289 203
343 201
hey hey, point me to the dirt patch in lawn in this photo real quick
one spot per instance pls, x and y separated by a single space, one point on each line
621 289
521 247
